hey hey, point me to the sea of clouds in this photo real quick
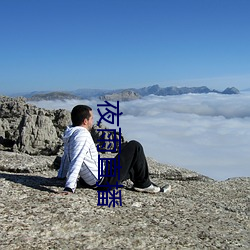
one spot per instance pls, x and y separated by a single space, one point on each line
207 133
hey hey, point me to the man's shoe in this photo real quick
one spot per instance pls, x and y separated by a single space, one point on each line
166 188
151 189
154 189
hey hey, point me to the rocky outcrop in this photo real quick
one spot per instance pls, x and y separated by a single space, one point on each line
32 130
28 129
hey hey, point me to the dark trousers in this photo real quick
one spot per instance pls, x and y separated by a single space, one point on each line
133 166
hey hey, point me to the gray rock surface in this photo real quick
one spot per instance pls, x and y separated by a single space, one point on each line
23 163
199 213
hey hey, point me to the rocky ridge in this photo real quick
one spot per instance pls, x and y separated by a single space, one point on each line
53 96
199 213
133 94
125 94
173 90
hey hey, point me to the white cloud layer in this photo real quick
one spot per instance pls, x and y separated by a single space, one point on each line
207 133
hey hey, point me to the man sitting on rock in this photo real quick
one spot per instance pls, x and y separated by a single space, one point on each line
81 158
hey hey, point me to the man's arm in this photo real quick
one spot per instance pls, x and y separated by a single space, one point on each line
78 147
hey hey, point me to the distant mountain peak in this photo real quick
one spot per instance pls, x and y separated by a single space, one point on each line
56 95
125 95
230 91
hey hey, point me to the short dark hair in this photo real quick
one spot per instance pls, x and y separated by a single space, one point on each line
79 113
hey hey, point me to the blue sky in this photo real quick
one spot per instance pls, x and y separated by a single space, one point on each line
71 44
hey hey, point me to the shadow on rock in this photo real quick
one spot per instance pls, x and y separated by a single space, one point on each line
35 182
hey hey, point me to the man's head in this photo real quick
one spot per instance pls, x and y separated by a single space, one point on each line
81 115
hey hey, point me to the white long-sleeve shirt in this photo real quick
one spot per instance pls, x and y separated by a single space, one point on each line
80 157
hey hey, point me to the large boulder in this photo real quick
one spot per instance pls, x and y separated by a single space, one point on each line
27 128
37 133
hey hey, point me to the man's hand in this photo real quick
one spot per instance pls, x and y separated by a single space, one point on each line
66 191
